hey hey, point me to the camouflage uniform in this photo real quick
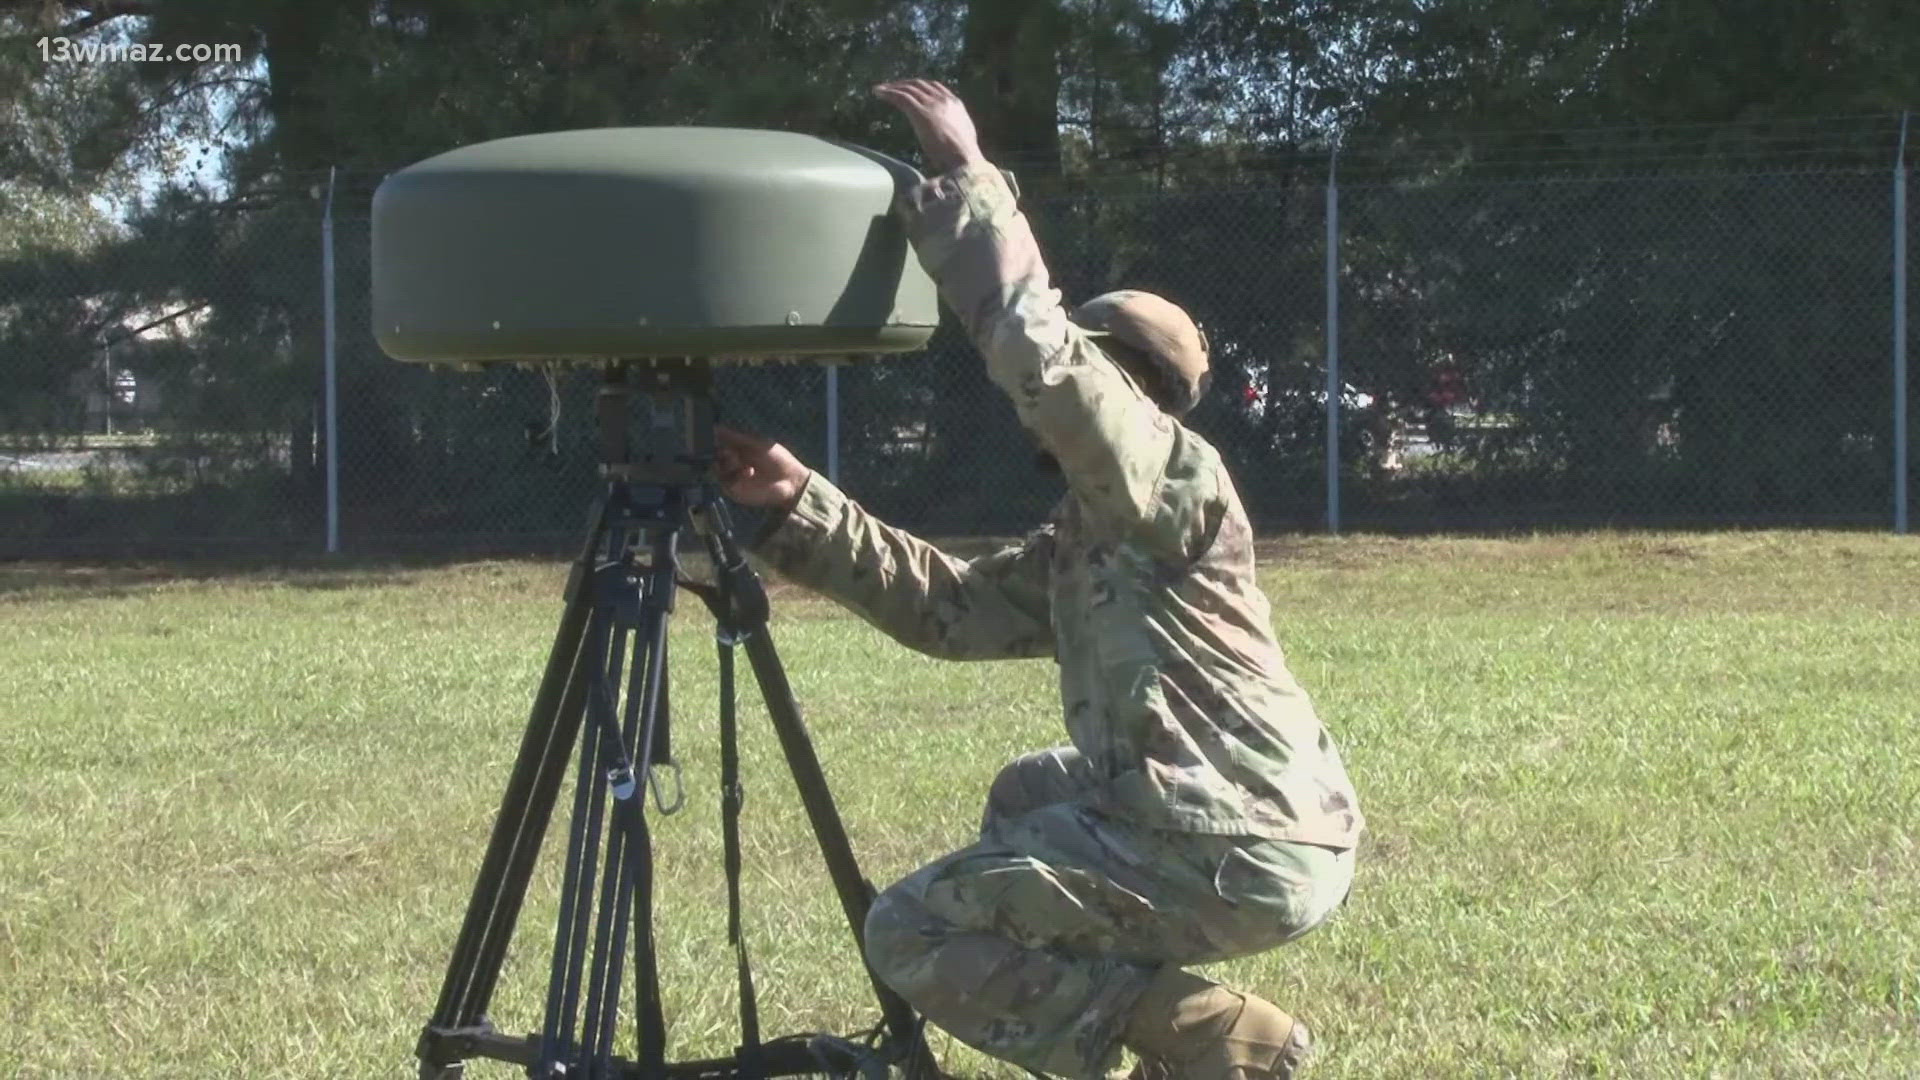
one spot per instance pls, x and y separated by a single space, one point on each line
1202 811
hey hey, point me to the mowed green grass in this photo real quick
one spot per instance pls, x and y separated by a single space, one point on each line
1640 806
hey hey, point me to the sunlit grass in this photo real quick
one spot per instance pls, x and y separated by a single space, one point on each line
1640 806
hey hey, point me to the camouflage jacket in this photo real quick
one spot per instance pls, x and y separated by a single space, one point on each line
1141 586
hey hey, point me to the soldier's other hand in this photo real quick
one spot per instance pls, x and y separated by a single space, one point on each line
757 472
939 119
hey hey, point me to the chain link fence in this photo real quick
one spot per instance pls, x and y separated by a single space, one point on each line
1693 348
1689 351
164 387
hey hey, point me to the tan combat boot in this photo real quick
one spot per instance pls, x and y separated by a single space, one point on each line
1193 1029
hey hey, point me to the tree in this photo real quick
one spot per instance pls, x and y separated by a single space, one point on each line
1179 145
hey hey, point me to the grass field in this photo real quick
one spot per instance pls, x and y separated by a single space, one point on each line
1640 806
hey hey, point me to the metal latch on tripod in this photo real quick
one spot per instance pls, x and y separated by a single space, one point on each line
736 598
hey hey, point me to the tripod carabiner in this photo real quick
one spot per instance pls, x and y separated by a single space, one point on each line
679 787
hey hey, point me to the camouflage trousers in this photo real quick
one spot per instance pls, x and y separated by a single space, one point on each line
1034 944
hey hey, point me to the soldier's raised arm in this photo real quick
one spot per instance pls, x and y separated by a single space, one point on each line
1102 423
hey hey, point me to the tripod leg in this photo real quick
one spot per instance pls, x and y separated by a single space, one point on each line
629 849
856 896
625 879
520 824
582 856
741 606
648 1008
572 712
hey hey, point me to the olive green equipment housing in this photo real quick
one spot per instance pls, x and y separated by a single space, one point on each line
619 243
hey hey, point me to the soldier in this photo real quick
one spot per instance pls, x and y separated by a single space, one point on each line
1202 812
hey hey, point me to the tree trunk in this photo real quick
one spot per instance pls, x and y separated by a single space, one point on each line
1012 49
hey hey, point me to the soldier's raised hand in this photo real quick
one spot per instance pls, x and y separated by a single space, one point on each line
940 120
757 472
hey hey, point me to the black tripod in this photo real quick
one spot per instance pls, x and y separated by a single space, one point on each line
606 686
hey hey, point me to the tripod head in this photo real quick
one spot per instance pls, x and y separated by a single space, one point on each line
663 474
676 444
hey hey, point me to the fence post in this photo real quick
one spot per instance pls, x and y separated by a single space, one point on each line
833 424
1900 455
333 394
1333 343
106 389
1899 335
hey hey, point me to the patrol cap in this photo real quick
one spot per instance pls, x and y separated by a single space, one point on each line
1163 333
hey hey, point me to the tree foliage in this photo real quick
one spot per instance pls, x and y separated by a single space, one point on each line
1179 145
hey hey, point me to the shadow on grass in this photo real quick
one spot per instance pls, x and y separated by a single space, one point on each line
63 580
84 574
98 571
